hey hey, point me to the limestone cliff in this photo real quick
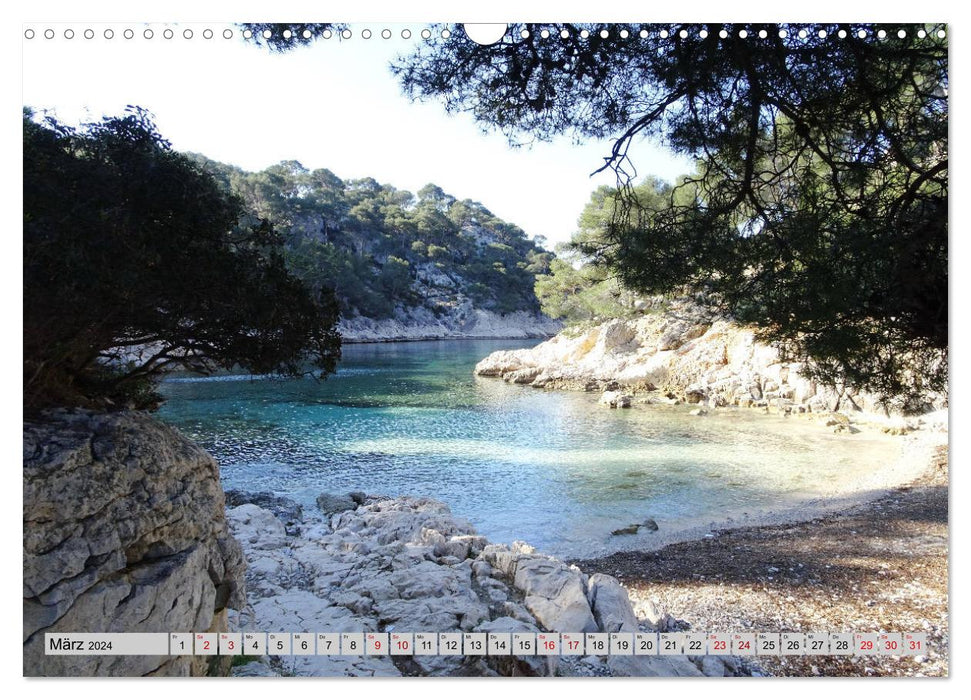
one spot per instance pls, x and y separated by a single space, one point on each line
681 354
462 320
124 531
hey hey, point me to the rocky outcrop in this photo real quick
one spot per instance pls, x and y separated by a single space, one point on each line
675 355
124 531
460 321
409 565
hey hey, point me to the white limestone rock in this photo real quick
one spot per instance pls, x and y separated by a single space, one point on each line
124 531
611 606
682 352
554 594
257 526
408 564
460 320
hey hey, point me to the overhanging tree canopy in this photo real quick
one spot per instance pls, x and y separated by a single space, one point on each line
818 208
135 260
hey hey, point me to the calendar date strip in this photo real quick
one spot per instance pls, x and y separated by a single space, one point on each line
487 644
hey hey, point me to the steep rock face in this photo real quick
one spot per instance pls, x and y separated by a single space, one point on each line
124 531
460 321
683 355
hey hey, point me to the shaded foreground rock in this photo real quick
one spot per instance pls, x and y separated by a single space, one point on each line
409 565
124 531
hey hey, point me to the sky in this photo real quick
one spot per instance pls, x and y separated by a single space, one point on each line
332 105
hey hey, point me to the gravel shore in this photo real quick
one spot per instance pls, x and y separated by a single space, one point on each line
878 566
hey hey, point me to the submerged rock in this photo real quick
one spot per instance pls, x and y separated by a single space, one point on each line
650 524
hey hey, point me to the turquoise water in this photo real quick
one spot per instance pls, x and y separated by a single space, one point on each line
551 468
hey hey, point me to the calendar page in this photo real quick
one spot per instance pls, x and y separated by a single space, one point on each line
442 349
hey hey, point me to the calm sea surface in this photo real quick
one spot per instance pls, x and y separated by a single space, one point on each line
551 468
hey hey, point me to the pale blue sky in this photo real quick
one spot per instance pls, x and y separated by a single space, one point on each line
333 105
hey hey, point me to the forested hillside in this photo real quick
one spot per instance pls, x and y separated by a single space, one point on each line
387 251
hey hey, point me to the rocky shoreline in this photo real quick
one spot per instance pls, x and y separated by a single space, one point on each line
463 322
874 559
365 563
369 563
918 450
126 528
679 353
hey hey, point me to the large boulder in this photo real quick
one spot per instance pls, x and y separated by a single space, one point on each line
616 335
500 363
613 612
611 606
554 594
124 531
